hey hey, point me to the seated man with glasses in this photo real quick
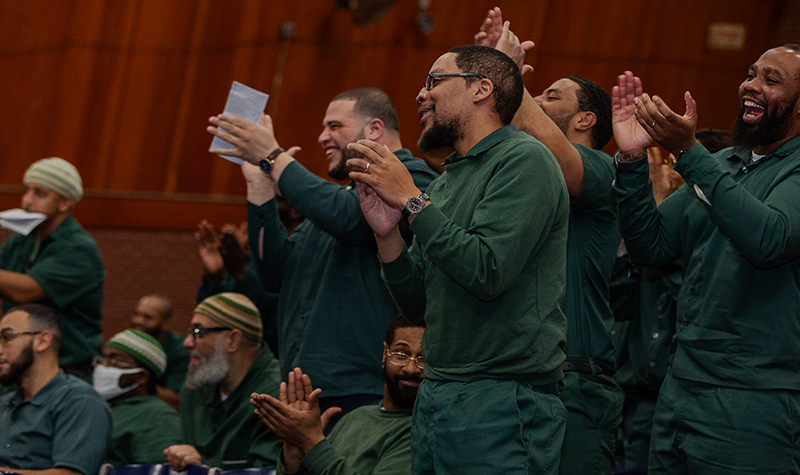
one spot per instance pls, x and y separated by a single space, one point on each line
227 363
53 422
126 375
370 439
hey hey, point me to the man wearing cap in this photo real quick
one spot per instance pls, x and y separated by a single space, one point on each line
125 375
227 363
58 264
53 423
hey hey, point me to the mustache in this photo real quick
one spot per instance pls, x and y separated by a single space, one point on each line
413 379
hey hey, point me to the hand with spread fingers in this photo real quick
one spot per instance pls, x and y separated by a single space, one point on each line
491 29
672 131
208 248
252 142
497 34
382 171
631 137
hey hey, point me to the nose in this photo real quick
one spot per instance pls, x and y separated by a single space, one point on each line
538 100
188 342
323 136
422 95
26 200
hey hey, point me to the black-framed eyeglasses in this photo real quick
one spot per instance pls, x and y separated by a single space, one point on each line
6 335
402 359
198 331
431 80
113 363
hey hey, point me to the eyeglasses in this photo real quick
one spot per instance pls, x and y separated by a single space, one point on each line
432 79
113 363
195 332
6 335
402 359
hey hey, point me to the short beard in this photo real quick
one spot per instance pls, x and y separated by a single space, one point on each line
773 126
403 397
341 171
18 367
441 134
209 371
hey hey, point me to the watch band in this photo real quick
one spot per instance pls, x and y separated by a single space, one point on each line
266 163
414 205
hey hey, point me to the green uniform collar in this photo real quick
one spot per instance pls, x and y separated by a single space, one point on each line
744 154
485 144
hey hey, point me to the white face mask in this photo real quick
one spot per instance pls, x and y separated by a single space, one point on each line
106 380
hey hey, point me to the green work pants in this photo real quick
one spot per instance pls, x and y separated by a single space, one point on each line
487 426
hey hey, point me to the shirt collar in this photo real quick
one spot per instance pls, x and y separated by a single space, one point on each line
744 154
485 144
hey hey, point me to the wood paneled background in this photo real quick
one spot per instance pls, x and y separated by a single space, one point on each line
123 88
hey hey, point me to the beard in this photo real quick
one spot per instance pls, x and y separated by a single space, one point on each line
562 121
18 367
341 170
773 126
402 396
440 134
210 370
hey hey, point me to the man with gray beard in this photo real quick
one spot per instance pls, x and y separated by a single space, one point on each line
227 363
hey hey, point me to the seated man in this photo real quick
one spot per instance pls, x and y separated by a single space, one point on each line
151 315
58 263
371 439
54 422
227 363
126 375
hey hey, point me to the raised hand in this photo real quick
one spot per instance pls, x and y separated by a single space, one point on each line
510 45
235 255
208 244
491 29
674 132
251 142
632 139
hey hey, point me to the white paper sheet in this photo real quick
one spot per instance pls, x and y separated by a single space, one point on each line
244 102
20 221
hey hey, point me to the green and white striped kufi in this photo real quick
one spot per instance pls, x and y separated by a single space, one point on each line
57 174
233 310
143 347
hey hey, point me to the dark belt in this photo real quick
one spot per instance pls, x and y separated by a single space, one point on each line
579 365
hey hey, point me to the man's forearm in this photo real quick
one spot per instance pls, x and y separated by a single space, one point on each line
49 471
20 288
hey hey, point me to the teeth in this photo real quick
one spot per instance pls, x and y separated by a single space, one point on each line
749 103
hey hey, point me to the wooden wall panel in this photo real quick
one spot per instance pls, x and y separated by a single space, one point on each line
124 88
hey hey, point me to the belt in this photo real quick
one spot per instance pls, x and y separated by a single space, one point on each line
579 365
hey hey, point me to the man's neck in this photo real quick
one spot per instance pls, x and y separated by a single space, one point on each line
44 230
474 132
37 376
580 138
240 365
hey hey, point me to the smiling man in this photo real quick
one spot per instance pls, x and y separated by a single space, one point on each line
731 400
373 439
58 264
486 272
333 307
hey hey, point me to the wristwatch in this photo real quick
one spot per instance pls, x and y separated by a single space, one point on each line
415 204
266 163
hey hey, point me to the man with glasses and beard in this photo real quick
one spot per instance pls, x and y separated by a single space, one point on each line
373 439
327 271
486 272
227 363
53 423
731 400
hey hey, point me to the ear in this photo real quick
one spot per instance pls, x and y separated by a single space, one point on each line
374 129
234 340
585 120
65 204
483 91
43 341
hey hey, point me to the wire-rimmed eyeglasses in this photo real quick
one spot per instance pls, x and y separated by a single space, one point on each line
402 359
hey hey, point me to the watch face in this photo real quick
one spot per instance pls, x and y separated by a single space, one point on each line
414 204
265 166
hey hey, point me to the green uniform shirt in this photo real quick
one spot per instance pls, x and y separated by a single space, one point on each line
591 248
143 427
70 270
333 309
737 227
487 267
227 434
65 424
250 286
177 361
368 440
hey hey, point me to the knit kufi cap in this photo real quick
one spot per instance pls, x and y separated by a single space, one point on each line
57 174
233 310
143 347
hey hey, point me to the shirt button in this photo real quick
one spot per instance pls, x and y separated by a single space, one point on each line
686 323
655 335
691 291
652 364
613 332
659 308
745 170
